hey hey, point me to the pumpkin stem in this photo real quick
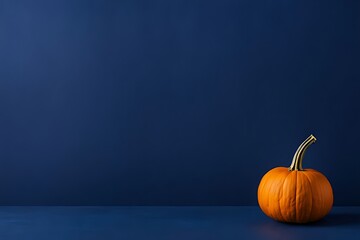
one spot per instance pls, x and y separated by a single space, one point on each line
299 154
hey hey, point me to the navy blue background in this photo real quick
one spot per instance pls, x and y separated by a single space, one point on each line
174 102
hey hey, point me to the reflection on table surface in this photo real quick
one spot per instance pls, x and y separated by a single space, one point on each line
168 223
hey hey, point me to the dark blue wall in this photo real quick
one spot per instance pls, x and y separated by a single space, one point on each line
174 102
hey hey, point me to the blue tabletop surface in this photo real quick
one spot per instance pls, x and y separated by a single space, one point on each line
167 223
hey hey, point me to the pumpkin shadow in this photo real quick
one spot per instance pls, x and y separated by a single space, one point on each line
338 219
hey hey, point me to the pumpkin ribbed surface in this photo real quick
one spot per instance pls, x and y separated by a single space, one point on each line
295 196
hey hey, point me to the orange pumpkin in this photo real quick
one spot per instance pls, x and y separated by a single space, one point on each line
294 194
